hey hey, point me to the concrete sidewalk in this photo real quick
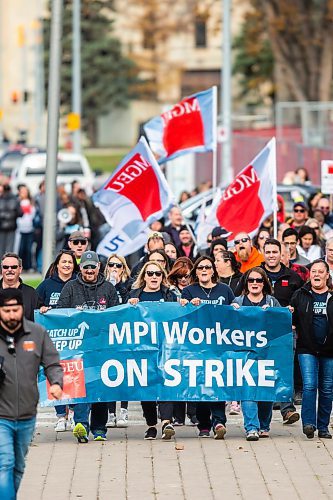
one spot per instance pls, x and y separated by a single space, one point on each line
286 466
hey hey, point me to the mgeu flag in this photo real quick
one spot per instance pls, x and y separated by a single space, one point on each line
187 127
247 201
135 195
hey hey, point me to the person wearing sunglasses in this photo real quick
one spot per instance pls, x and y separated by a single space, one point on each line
300 215
245 253
11 269
117 272
161 257
207 290
90 290
180 277
78 243
256 292
152 285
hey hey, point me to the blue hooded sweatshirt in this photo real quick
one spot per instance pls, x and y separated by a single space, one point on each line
49 290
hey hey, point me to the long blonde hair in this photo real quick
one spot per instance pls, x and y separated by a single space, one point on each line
126 271
140 280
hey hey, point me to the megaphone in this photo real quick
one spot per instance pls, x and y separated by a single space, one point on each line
64 216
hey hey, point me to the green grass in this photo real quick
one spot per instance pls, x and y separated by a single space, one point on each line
106 163
32 282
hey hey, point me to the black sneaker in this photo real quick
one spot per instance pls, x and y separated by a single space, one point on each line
167 432
193 420
324 435
309 431
151 433
204 433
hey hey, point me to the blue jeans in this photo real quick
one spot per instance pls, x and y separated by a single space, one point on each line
15 438
257 415
317 375
98 418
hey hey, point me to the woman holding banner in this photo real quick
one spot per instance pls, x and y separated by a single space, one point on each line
63 269
313 318
117 272
206 290
152 285
257 292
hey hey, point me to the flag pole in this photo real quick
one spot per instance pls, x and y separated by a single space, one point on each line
214 133
274 190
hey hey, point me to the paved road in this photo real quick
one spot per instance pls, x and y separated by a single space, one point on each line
286 466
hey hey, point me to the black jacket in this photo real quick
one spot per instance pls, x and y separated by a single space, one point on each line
167 294
286 285
10 210
235 282
31 300
78 293
302 302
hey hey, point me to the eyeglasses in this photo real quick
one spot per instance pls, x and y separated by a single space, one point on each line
89 266
10 344
316 228
299 210
152 273
243 240
209 241
255 280
182 276
9 267
78 242
115 264
201 268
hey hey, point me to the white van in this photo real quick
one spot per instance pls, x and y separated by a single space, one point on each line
71 167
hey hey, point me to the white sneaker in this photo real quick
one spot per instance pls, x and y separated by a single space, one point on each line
112 421
60 426
122 420
70 419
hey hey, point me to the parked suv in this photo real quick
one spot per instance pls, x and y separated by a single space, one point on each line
71 167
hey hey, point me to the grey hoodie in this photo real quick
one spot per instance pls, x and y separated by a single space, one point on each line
78 293
19 392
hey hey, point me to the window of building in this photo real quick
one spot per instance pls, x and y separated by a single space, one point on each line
200 32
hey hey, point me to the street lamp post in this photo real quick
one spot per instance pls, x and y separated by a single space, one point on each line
49 225
226 168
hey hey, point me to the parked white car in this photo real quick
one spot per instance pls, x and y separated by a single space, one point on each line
71 167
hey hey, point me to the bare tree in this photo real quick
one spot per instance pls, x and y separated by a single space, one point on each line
301 36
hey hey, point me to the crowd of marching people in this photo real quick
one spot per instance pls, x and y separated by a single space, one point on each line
293 270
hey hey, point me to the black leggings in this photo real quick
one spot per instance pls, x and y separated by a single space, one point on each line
150 411
112 406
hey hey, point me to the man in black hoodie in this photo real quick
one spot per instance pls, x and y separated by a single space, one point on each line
89 290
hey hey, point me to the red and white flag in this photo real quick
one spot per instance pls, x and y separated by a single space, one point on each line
190 126
134 196
248 200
